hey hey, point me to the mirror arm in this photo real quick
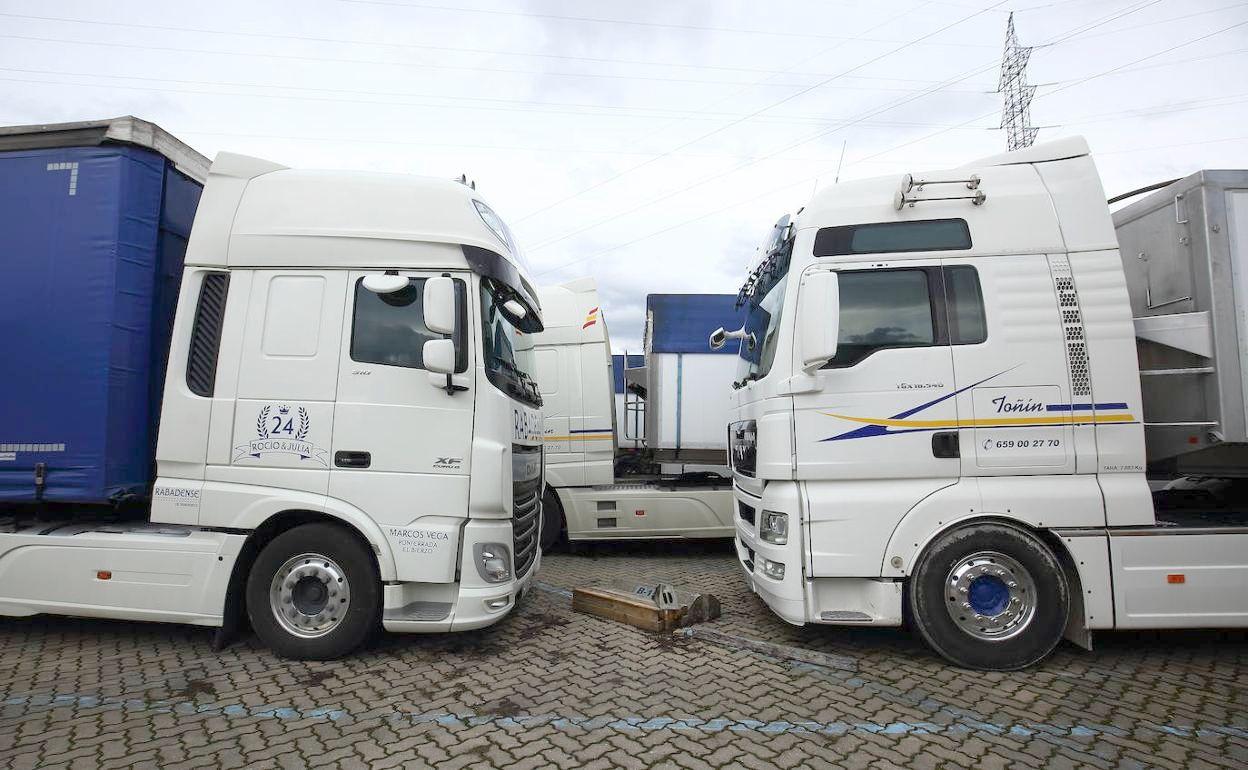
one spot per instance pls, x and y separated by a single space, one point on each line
451 388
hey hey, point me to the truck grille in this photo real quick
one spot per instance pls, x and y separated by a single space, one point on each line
526 510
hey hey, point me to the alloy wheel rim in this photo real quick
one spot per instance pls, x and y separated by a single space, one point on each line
310 595
990 596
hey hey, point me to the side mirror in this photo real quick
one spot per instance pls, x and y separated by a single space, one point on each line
818 319
440 315
439 356
380 283
515 309
718 338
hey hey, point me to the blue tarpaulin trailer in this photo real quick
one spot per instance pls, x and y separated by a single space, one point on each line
94 220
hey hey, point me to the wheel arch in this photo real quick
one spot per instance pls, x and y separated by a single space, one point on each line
277 523
552 492
1076 623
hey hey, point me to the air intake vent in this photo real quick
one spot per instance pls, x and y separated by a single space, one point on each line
1072 328
201 361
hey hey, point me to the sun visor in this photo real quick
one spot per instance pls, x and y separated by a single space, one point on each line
494 265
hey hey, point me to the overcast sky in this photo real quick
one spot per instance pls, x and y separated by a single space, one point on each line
648 143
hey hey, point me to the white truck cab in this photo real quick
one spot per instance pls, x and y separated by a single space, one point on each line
941 417
349 437
586 499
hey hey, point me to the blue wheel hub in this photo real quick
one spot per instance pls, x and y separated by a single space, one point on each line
988 595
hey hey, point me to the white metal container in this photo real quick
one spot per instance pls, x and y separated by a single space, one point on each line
688 384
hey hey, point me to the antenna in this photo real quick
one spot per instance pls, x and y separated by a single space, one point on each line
840 162
1016 109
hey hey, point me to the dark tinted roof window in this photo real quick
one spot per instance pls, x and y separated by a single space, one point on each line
890 237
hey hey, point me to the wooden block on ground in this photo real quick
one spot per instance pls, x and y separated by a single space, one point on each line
624 607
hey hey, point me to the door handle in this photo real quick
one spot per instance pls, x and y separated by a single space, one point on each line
945 444
353 459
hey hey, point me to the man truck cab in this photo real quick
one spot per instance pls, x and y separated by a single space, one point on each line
349 437
941 412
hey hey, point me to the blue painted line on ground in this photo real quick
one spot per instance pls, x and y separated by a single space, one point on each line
622 724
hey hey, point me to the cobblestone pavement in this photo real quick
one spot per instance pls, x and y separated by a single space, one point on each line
548 687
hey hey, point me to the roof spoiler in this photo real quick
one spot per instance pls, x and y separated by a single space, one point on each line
1058 149
242 166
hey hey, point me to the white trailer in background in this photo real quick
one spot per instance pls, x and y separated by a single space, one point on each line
943 412
687 381
585 499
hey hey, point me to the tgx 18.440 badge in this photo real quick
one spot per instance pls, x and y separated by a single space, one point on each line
282 430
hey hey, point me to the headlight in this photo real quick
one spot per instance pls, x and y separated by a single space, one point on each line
773 569
493 561
775 528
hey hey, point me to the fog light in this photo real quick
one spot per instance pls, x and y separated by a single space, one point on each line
773 569
775 528
494 605
493 562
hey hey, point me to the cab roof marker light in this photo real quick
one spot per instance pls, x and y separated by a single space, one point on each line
496 224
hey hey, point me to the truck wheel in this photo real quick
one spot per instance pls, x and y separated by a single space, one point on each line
989 596
314 593
552 520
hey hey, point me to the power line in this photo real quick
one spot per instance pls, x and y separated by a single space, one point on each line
1074 31
733 170
629 170
743 119
1171 20
512 105
1069 85
884 108
409 65
374 43
623 22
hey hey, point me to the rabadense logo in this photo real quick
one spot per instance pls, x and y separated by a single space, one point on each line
282 430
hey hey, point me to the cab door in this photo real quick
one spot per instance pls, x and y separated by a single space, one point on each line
882 410
889 388
402 435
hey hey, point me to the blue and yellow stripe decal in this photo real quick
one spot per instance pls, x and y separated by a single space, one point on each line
1055 414
588 434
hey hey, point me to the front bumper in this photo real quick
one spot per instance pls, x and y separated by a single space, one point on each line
783 596
799 598
469 603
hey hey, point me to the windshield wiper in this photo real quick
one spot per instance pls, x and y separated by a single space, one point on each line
526 382
746 380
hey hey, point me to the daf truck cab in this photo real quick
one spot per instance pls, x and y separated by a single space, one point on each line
941 416
585 497
349 436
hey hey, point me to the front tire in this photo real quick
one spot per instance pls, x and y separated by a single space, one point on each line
313 593
990 597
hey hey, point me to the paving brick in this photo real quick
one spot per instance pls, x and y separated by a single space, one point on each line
550 688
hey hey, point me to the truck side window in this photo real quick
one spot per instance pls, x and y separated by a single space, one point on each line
966 306
390 329
201 359
883 309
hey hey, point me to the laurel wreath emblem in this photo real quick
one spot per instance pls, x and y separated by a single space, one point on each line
262 422
305 422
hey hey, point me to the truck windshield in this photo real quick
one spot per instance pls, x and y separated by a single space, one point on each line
763 296
507 352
